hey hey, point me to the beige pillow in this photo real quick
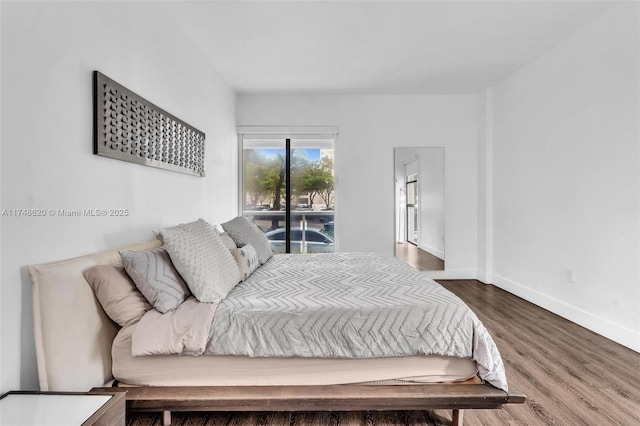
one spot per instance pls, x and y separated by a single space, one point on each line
202 259
117 294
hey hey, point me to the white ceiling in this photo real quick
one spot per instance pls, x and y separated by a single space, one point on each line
376 47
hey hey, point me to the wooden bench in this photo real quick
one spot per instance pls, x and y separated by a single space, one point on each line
456 397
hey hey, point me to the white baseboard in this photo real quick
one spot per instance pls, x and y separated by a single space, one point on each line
484 277
452 274
602 326
433 251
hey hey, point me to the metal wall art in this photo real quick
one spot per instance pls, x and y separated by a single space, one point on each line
130 128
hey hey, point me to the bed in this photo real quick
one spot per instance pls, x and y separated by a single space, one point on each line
74 334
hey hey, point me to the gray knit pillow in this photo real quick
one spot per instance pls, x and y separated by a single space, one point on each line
156 278
244 232
202 259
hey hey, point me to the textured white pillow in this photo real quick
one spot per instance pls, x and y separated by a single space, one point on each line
244 232
247 259
228 241
156 278
202 259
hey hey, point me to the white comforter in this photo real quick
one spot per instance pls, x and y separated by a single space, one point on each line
353 305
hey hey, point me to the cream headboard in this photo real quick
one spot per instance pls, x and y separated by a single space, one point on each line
72 333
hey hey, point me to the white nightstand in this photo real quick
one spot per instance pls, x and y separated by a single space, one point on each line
19 408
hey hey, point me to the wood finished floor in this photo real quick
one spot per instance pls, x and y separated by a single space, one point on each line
570 375
419 259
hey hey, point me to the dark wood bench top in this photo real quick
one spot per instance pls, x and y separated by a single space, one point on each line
316 398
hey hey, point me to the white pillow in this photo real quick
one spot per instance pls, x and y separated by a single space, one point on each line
228 241
244 232
202 259
247 259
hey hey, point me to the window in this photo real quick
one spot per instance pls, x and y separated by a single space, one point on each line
287 186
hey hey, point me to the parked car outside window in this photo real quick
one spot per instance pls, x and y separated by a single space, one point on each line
315 241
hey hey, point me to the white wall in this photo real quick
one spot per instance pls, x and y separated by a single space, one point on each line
49 51
485 186
566 178
370 127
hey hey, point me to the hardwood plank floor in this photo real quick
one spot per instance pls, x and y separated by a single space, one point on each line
571 376
419 259
302 418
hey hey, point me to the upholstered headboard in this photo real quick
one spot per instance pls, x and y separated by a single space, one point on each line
73 335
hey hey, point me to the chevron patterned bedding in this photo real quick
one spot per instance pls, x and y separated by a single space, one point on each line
349 305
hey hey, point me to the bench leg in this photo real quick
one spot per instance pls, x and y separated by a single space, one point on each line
458 418
166 418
